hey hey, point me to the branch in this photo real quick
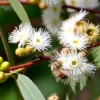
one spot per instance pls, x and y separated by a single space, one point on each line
22 2
94 45
78 9
26 65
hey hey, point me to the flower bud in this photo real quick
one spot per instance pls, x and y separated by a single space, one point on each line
83 53
98 98
42 5
2 75
53 97
20 52
29 49
6 76
5 65
33 1
65 50
1 60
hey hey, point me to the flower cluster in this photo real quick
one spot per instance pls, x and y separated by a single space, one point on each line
53 16
26 35
70 65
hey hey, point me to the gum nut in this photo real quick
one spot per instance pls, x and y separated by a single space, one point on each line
1 60
29 49
20 52
5 65
2 76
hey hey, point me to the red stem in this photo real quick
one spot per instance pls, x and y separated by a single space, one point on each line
26 65
22 2
94 45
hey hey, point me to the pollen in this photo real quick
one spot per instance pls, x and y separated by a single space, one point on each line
37 40
75 41
74 62
20 37
73 2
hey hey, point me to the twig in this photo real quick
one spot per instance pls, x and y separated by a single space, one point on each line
94 45
78 9
26 65
22 2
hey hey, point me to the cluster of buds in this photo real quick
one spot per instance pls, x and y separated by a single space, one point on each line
70 65
4 65
23 51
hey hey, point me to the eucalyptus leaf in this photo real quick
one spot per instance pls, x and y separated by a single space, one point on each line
28 89
19 10
94 57
82 82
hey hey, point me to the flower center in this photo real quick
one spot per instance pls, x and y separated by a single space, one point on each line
74 62
54 9
54 23
20 37
68 30
75 41
37 40
90 31
73 2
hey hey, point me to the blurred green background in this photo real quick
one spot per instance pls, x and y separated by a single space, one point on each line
40 74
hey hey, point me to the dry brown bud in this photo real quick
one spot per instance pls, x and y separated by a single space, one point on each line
83 53
65 50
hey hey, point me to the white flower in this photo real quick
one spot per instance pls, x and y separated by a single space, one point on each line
52 22
75 41
51 2
73 65
21 34
40 40
91 3
77 65
53 9
66 28
76 3
79 16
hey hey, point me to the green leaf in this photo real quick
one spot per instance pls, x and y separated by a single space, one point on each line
19 10
94 57
28 89
73 91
